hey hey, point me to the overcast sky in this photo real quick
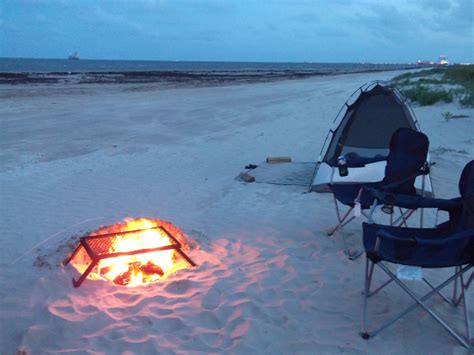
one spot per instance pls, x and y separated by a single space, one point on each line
239 30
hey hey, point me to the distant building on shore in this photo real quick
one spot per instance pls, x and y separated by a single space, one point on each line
442 60
424 62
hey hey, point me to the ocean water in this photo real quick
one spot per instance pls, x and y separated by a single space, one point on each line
30 65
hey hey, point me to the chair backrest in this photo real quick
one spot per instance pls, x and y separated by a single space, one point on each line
466 189
408 153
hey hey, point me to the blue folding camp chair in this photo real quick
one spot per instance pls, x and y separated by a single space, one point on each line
405 161
450 244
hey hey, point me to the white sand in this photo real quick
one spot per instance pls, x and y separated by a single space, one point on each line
268 280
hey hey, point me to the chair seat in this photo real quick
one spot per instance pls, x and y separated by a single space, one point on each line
433 247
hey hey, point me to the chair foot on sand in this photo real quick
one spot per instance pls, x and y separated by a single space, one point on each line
353 254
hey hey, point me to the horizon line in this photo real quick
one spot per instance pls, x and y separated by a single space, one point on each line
214 61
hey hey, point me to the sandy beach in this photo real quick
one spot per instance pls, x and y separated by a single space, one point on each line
268 280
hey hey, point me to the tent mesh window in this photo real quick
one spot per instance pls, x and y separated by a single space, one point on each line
368 124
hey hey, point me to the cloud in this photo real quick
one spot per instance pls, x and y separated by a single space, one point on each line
109 18
215 7
123 22
448 16
406 21
386 21
237 29
457 17
307 18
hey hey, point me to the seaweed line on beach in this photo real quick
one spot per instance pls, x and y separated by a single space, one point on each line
179 78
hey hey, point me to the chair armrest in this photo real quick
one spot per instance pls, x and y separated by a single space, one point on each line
382 234
424 170
413 202
440 241
425 247
354 160
456 238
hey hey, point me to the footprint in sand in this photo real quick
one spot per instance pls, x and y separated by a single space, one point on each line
212 299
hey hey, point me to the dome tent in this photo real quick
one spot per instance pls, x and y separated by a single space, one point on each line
364 130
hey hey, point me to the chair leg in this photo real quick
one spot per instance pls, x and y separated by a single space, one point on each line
471 278
422 194
380 287
466 311
371 293
457 299
421 217
366 334
352 254
420 302
446 299
369 216
371 272
403 218
341 221
367 281
455 287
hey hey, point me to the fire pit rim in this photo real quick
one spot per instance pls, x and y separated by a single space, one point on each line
95 258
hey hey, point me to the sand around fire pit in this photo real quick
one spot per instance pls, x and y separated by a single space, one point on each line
268 279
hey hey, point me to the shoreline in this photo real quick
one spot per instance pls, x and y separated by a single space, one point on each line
180 78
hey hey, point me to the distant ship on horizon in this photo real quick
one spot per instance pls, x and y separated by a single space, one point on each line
441 61
74 55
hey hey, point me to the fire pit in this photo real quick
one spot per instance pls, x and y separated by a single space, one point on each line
133 253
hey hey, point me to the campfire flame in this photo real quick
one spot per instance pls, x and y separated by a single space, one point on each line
138 269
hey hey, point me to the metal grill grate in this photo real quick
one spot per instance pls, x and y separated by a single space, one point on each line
97 247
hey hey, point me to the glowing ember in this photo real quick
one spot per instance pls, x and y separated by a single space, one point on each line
123 253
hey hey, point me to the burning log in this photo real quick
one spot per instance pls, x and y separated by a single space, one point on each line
151 269
125 278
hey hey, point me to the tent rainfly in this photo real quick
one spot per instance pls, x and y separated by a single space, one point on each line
365 129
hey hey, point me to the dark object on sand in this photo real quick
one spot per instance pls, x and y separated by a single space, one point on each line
247 177
277 160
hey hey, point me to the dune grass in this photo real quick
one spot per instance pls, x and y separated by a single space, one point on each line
426 96
429 86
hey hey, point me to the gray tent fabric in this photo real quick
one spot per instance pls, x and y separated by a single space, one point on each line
369 123
364 126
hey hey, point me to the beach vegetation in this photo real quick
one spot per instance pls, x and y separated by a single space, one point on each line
449 116
438 84
427 96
